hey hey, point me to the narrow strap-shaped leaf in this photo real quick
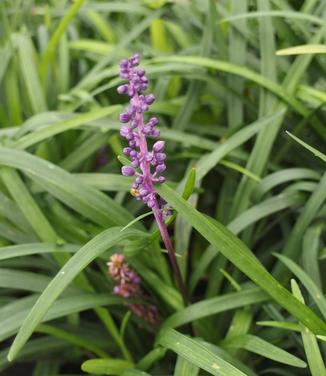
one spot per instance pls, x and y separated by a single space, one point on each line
259 346
280 177
196 353
86 200
238 253
34 248
215 305
310 343
65 125
314 291
313 150
184 368
106 366
293 243
27 204
70 270
65 306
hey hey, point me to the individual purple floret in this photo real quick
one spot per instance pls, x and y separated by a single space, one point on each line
147 165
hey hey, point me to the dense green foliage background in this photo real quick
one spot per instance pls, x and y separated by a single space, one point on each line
243 116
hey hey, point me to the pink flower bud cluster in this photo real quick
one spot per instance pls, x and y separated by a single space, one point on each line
147 166
128 286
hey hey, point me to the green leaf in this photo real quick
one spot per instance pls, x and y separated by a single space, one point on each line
27 65
237 55
238 253
106 182
303 49
36 349
185 368
276 13
281 325
151 358
310 252
190 184
63 126
314 151
5 56
134 372
168 293
224 66
216 305
10 210
106 366
316 294
34 248
28 206
292 247
263 209
183 116
280 177
70 270
86 200
196 353
16 279
101 25
13 315
72 338
310 343
159 37
208 161
62 27
261 347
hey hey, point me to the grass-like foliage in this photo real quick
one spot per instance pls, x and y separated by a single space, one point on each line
240 94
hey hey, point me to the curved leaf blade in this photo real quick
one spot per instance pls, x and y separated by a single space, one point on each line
70 270
238 253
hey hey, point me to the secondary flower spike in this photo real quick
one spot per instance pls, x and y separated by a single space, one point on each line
146 165
128 286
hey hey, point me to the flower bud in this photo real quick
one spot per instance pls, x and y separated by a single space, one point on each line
124 63
161 179
127 171
139 180
158 146
122 89
156 133
126 151
125 117
149 99
143 192
135 163
140 72
152 121
160 168
160 157
124 131
134 60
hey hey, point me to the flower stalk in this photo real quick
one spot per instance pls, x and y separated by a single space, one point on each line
146 165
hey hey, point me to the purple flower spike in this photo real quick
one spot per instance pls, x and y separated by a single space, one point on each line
136 133
144 160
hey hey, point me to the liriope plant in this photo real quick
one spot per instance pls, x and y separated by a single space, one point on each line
217 267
